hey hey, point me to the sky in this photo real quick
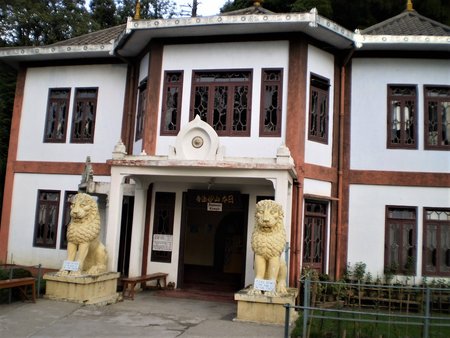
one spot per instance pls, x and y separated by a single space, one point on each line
205 7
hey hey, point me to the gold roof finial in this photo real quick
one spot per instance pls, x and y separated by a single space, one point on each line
257 3
409 6
137 12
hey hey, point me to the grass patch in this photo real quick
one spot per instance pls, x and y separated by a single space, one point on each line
336 325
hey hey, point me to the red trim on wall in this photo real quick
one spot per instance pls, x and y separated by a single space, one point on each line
12 155
408 179
151 129
62 168
295 141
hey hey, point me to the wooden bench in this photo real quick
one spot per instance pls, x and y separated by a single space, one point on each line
129 283
21 284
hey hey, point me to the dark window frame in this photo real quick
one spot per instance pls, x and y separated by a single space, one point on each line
42 231
164 210
318 122
68 195
406 260
230 110
53 101
266 84
84 121
439 116
177 86
405 138
323 217
140 113
436 256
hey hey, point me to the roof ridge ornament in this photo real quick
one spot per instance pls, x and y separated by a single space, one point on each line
409 6
257 3
137 12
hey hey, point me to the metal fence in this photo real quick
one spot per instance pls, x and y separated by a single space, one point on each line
372 310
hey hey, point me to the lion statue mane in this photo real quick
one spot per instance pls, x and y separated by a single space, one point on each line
83 242
268 243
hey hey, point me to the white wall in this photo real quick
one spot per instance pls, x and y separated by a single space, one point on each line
370 78
220 56
367 220
110 80
320 63
23 213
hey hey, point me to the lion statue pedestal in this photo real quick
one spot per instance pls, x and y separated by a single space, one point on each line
263 302
83 278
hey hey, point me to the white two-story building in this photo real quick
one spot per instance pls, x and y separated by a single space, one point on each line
188 122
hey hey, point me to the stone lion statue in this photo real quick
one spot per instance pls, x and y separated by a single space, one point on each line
83 237
268 243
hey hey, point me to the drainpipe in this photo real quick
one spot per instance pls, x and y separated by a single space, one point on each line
341 165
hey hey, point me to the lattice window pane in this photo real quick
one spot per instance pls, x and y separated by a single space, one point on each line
437 118
271 94
437 242
314 235
402 117
56 120
46 226
142 106
201 102
171 110
83 124
400 247
240 110
222 99
220 108
318 109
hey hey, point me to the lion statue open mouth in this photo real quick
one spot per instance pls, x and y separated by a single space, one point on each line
83 242
268 243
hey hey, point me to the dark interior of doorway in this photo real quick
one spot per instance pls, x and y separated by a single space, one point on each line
214 250
125 235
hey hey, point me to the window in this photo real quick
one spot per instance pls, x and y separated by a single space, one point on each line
83 122
436 254
271 95
400 243
223 99
46 224
318 109
437 117
163 227
141 109
56 120
66 217
171 109
402 117
314 235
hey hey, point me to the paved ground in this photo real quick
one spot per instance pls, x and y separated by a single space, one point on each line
149 315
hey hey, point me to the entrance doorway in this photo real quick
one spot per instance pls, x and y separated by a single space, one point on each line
213 246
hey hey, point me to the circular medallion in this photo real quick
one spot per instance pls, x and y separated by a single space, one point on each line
197 142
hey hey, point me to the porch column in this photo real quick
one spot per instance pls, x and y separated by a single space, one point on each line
138 227
114 218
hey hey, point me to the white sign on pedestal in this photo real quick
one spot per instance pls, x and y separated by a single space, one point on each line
71 265
264 284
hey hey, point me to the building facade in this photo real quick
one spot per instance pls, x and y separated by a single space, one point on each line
188 122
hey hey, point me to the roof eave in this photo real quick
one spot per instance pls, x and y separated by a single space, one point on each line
139 33
402 42
14 55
